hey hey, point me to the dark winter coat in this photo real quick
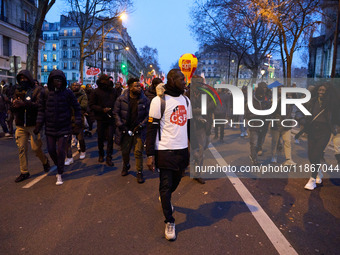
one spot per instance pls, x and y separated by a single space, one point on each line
56 108
150 93
83 102
121 114
258 105
102 98
26 115
307 120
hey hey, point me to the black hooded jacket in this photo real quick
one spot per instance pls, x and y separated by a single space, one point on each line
26 114
103 97
56 108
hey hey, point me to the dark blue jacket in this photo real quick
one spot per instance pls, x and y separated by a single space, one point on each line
121 113
56 108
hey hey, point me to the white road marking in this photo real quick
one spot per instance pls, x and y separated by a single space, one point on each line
39 178
280 243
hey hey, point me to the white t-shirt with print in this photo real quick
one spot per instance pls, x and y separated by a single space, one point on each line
173 123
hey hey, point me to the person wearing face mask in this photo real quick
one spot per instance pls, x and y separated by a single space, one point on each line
102 102
25 109
167 142
256 131
76 130
319 128
55 111
131 114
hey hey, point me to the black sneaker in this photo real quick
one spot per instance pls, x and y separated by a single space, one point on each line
101 159
140 178
22 177
125 170
200 180
109 162
47 166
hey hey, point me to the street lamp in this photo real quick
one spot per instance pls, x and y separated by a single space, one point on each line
262 73
123 16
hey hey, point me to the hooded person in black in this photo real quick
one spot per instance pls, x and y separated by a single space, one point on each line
25 108
151 91
55 111
102 102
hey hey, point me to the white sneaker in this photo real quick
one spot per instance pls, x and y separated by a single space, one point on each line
318 179
68 161
242 134
297 141
274 159
7 134
289 162
170 231
245 134
310 184
82 155
59 180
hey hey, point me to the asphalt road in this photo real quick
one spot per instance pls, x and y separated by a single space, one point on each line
96 211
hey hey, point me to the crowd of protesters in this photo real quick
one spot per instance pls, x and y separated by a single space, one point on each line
156 119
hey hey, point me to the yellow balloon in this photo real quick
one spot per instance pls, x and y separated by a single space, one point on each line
188 64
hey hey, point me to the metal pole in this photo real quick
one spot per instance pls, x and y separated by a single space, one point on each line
102 47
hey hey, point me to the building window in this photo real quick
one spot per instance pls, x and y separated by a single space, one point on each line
55 67
54 56
55 37
3 10
6 46
74 76
73 43
64 54
45 57
45 68
54 46
99 55
74 65
26 16
74 54
65 65
64 43
73 32
65 32
107 57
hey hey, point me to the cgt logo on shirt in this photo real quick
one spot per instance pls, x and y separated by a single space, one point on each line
179 115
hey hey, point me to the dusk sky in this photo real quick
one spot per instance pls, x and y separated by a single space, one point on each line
157 24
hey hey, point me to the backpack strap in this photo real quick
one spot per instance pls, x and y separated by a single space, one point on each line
162 113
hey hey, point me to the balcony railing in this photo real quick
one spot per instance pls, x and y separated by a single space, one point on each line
27 27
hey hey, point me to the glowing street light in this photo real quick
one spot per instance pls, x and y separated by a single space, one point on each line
123 16
262 73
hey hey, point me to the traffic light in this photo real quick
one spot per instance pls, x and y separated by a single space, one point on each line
124 68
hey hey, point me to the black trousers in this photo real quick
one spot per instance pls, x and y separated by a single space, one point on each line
169 180
318 139
56 146
105 130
